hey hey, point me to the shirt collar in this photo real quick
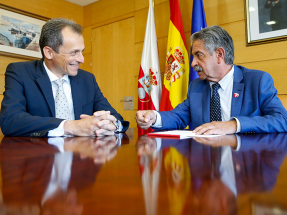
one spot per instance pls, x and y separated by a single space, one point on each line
225 80
53 77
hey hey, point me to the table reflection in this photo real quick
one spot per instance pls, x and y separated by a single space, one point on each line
231 174
248 163
43 176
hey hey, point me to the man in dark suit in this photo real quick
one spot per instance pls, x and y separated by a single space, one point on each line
248 99
32 91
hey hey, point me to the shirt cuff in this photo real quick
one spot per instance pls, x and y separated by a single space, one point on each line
238 129
119 126
57 132
158 122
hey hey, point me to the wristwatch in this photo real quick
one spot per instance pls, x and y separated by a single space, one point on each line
117 125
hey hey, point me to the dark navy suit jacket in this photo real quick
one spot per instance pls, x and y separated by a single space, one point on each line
257 107
28 107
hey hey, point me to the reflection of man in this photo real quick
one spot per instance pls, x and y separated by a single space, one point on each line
43 177
249 163
53 97
255 161
278 13
63 203
255 166
245 100
213 197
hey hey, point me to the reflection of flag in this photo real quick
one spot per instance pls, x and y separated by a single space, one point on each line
177 65
150 171
149 83
178 179
197 23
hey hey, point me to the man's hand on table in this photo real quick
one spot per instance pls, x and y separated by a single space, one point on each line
145 118
101 123
215 127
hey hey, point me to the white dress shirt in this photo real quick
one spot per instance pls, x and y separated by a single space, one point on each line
59 131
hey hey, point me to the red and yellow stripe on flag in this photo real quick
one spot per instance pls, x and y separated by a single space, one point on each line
176 75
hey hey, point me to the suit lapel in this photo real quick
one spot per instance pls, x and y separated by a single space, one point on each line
238 92
46 87
206 103
76 95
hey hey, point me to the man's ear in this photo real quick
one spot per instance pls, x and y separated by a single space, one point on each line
48 52
220 53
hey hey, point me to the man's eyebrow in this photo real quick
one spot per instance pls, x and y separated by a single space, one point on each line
197 52
78 50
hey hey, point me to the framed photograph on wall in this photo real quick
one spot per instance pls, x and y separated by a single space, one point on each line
266 21
20 32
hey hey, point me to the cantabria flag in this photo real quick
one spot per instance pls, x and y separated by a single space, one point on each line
149 83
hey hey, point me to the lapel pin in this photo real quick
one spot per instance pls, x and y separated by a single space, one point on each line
236 95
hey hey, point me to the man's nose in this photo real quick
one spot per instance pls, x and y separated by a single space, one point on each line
80 58
193 63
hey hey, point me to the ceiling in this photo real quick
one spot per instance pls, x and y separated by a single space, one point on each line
82 2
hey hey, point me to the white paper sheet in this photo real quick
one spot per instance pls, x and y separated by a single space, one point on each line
183 134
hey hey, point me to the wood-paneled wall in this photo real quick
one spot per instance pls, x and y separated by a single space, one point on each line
227 13
112 58
230 14
46 8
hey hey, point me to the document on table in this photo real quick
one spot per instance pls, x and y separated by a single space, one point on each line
178 134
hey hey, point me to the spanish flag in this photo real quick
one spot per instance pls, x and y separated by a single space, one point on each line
176 75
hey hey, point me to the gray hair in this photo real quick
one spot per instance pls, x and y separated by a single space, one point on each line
51 33
213 38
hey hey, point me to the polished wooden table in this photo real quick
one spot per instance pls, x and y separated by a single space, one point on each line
86 175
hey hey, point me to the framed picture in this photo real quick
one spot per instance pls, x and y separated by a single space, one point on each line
20 32
266 21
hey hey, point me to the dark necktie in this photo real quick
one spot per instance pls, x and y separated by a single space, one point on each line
215 115
215 160
215 108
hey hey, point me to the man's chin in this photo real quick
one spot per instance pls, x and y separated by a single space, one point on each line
73 72
202 77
